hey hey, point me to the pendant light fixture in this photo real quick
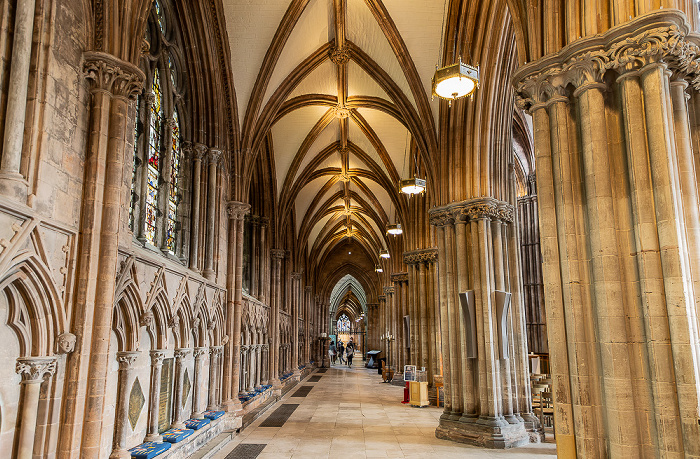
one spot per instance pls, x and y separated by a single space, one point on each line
394 229
457 80
413 185
384 254
378 268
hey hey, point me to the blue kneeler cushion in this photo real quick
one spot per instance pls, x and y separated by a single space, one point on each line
213 414
149 450
177 435
196 424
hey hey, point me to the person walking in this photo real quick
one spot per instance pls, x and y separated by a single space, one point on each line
341 352
350 353
331 353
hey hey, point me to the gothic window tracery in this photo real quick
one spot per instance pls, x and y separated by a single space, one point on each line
157 182
343 324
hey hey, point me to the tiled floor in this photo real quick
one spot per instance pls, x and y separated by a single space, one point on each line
350 413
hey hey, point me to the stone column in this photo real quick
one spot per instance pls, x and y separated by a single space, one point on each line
33 370
618 237
265 364
152 434
214 156
198 381
307 329
258 366
234 286
264 222
199 152
178 396
244 372
126 361
113 84
296 309
381 309
12 183
277 257
214 356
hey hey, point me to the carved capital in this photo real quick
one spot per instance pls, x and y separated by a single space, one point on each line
340 56
65 343
214 155
182 353
381 298
399 277
296 276
106 72
200 352
389 290
308 289
429 255
216 350
440 217
237 210
278 253
174 322
34 369
199 151
475 209
157 357
126 359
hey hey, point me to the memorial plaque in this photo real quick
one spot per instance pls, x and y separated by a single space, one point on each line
166 395
136 401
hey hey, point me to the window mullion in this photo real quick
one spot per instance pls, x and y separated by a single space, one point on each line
149 100
164 188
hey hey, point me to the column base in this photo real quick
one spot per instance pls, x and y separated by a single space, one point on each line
485 436
120 454
153 437
209 274
296 376
14 186
178 425
199 415
232 406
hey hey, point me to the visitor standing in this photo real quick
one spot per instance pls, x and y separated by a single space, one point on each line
341 352
350 351
331 353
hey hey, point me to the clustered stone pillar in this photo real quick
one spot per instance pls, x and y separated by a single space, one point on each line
12 182
198 382
488 385
425 339
214 372
373 330
308 323
152 434
126 361
296 313
381 309
618 211
178 395
113 83
33 371
275 304
209 273
234 304
199 152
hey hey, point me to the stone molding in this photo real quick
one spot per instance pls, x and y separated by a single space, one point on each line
34 369
662 37
106 72
472 210
399 277
388 290
381 298
237 210
414 257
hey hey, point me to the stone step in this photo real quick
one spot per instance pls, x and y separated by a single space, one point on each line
215 445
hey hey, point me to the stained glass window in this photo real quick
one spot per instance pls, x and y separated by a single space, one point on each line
175 162
154 154
343 324
134 197
159 16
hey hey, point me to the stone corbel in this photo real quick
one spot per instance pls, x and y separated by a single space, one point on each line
146 319
106 72
65 343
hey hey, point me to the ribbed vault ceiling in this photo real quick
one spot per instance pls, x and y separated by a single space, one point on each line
339 127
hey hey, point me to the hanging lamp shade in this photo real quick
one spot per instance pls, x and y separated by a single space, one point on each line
454 81
394 229
413 185
379 269
384 254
